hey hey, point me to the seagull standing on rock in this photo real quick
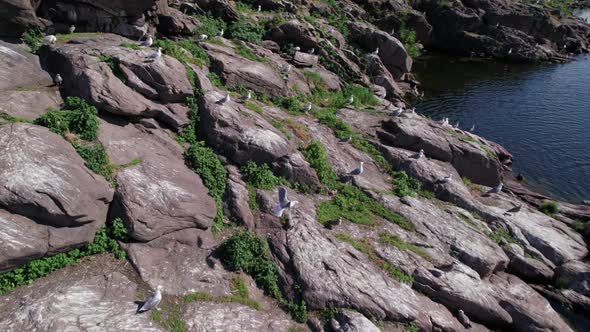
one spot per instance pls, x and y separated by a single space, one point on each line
220 33
156 55
307 108
203 37
359 170
398 112
456 126
445 179
286 70
496 189
347 139
420 154
225 99
51 39
147 42
248 96
472 128
259 8
72 28
152 301
376 52
350 100
297 48
58 80
283 204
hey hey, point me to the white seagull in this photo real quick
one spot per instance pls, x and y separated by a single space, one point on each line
496 189
510 51
445 179
376 52
286 69
398 111
350 99
225 99
51 39
72 28
472 128
283 204
156 54
297 48
220 33
147 42
420 154
58 80
359 170
259 8
152 301
307 108
248 96
203 37
456 126
312 51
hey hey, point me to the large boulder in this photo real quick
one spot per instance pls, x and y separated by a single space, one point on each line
17 16
93 297
120 80
236 199
26 90
160 194
238 133
174 22
43 178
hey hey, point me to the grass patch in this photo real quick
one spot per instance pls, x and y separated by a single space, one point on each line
405 185
105 240
76 116
316 156
466 181
364 247
395 241
281 127
247 53
579 225
500 235
184 50
246 30
215 80
241 295
247 252
65 37
210 26
261 176
7 118
549 208
169 317
97 160
253 107
132 46
467 220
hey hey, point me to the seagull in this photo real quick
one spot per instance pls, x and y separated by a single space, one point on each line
203 37
398 112
283 204
225 99
359 170
496 189
248 96
331 31
297 48
72 28
463 319
515 209
307 108
147 42
376 52
312 51
152 301
445 121
51 39
350 99
445 179
420 154
259 8
472 128
58 80
413 110
456 126
156 54
498 25
510 51
220 33
286 70
347 139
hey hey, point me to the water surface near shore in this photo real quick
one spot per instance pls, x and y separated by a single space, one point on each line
540 113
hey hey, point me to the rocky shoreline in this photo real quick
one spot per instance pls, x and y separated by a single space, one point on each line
172 163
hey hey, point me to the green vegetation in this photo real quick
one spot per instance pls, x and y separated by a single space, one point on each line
210 26
261 176
549 208
132 46
112 63
364 247
216 80
316 156
246 30
405 185
76 116
105 240
408 37
395 241
65 37
247 252
467 220
328 313
169 317
248 54
176 49
500 235
204 161
579 225
292 105
281 127
467 181
97 160
411 327
253 107
241 295
7 118
32 38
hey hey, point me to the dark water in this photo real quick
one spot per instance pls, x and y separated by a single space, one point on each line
540 113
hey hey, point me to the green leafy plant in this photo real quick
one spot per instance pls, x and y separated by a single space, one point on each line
97 160
549 208
248 53
246 30
216 80
261 176
241 295
7 118
405 185
395 241
76 116
247 252
33 38
210 26
132 46
316 156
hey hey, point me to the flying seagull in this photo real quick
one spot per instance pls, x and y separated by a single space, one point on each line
58 80
463 319
152 301
359 170
350 100
156 54
51 39
420 154
147 42
496 189
225 99
283 204
72 28
307 108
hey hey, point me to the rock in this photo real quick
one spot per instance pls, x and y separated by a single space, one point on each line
182 262
174 22
220 8
241 138
160 194
296 169
17 16
25 89
351 321
530 269
86 76
575 276
236 200
233 317
70 300
321 265
21 240
381 76
305 59
43 178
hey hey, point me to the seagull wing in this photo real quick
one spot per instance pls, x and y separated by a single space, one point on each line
283 200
